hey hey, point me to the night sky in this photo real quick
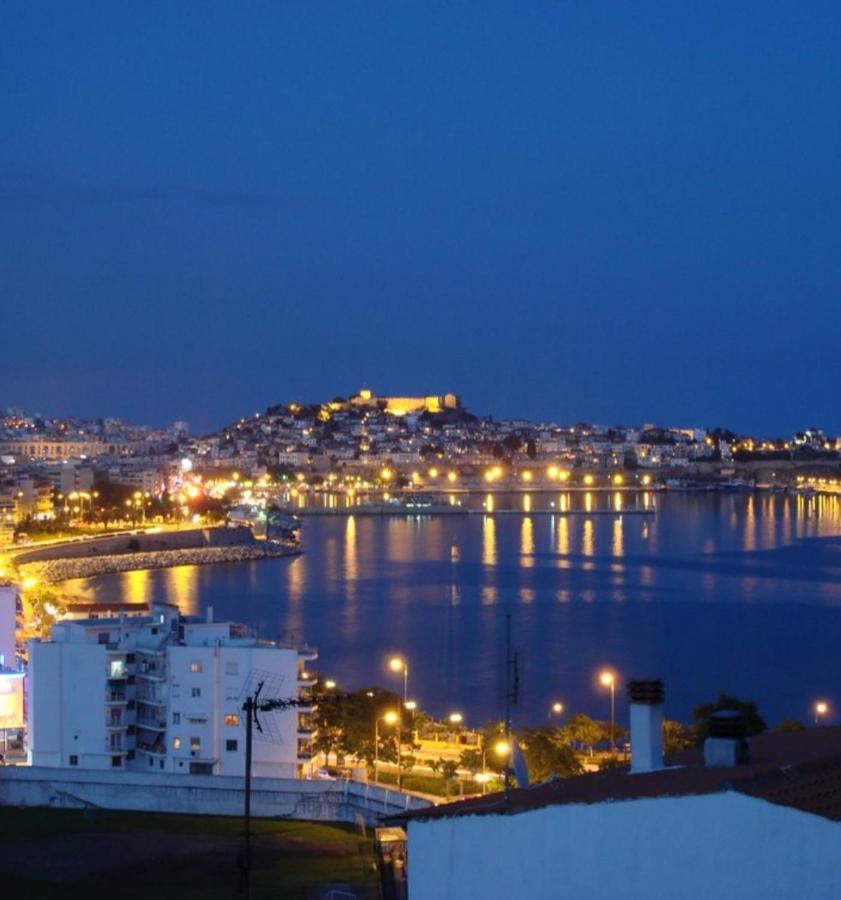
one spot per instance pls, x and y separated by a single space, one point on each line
573 210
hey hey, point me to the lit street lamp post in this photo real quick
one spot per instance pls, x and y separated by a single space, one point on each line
821 709
389 718
556 709
608 679
398 664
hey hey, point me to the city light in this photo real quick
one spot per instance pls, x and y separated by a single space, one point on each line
396 664
552 472
607 679
502 749
390 717
588 479
821 710
451 477
411 705
557 707
618 479
433 473
527 476
329 684
456 718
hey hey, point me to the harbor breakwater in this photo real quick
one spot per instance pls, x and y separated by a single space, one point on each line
143 550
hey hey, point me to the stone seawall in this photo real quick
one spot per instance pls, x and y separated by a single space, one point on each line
56 570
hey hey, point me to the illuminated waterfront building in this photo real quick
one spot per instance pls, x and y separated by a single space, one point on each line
164 693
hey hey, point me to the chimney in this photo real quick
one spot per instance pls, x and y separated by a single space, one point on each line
646 696
726 744
209 615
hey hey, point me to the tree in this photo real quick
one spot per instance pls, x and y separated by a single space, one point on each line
583 731
790 725
449 770
676 736
754 723
471 760
547 755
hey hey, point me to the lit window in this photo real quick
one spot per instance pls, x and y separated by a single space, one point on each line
195 744
176 743
232 720
117 668
195 667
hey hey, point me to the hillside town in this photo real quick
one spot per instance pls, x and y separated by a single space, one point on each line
104 469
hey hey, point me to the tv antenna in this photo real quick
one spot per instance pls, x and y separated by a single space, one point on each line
254 703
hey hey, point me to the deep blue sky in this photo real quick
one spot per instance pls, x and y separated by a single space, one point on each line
609 211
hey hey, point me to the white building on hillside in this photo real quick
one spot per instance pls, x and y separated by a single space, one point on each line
164 693
757 819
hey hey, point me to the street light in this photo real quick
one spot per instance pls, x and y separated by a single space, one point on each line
555 709
821 709
389 717
399 664
608 679
456 718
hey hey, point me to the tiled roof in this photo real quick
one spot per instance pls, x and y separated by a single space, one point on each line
796 769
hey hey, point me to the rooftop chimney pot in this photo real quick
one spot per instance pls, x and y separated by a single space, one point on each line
646 696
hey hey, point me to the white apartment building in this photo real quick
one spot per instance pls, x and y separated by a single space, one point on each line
165 693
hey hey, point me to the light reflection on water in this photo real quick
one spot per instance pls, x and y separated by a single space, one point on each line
718 592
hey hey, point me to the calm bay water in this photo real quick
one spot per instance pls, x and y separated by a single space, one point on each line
716 592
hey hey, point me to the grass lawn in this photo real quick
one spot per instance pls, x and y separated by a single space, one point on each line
97 854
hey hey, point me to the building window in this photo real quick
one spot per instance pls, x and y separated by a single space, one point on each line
195 692
176 743
176 718
231 746
116 762
195 744
74 760
231 668
232 720
117 668
195 667
102 637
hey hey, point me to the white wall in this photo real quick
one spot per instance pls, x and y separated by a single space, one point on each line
8 621
718 846
333 801
67 704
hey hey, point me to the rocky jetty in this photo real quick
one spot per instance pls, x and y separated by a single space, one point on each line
56 570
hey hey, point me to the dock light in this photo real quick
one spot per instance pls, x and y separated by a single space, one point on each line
386 474
646 479
433 473
527 476
563 475
588 479
451 477
456 718
618 479
552 472
489 475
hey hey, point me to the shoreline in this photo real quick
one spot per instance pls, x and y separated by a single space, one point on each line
55 571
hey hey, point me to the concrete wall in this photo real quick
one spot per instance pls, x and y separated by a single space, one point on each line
8 624
722 845
329 801
115 545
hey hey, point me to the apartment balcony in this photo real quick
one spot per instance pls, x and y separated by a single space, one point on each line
153 748
307 654
306 679
151 723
